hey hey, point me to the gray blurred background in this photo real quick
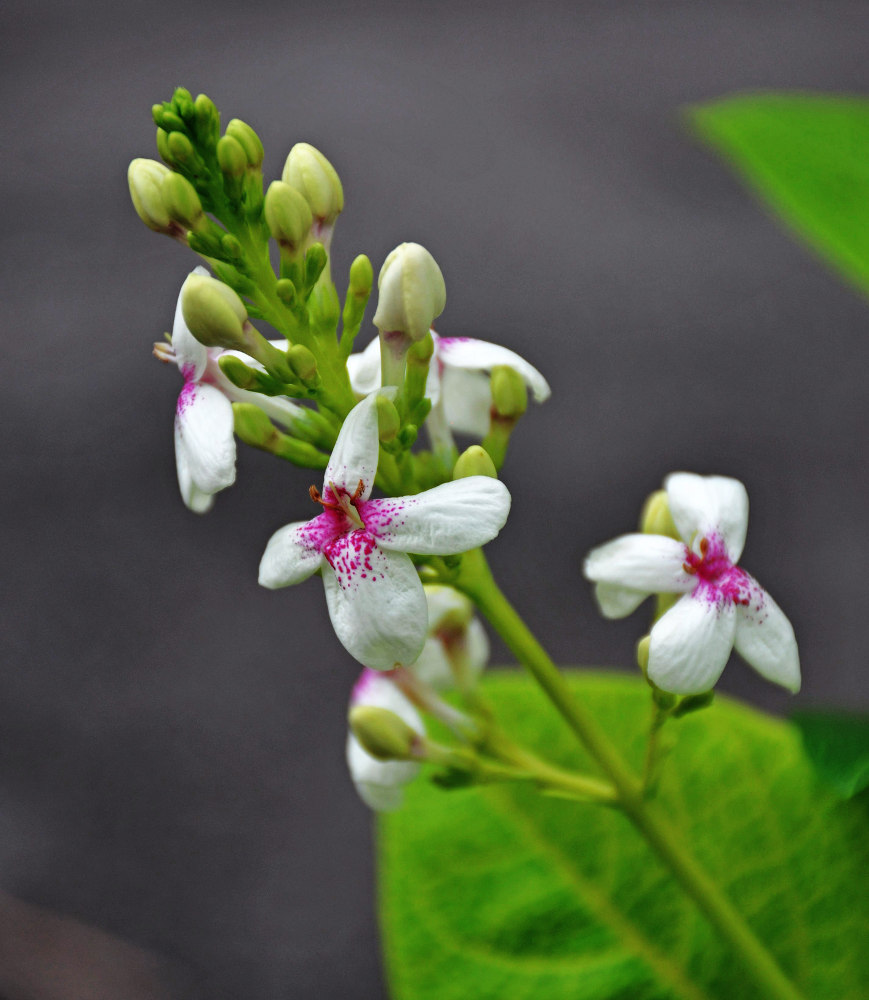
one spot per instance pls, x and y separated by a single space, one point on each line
171 735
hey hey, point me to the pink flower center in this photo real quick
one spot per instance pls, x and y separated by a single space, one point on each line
716 575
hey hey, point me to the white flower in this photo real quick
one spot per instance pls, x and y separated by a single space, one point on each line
456 643
380 783
204 441
457 378
723 606
374 595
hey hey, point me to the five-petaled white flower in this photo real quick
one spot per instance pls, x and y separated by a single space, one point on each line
723 606
373 592
457 378
380 783
204 441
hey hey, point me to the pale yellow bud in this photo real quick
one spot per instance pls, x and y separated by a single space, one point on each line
314 177
411 292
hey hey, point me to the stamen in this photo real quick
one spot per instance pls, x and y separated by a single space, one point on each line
163 352
360 489
689 568
704 547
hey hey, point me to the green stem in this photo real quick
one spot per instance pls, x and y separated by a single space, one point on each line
652 758
476 580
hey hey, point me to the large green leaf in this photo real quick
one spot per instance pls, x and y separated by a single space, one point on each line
837 743
807 155
502 894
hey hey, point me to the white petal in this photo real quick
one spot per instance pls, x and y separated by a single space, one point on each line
648 563
691 643
709 505
190 355
480 355
379 783
433 666
364 369
616 601
291 555
375 600
467 400
765 639
449 519
443 601
357 450
204 430
194 499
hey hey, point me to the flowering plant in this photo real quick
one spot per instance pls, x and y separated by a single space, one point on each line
619 892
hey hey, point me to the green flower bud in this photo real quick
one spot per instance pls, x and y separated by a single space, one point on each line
509 393
183 101
163 144
167 119
303 363
656 518
475 461
643 654
231 247
213 312
182 201
146 178
316 260
412 292
388 420
287 216
248 140
206 119
180 147
314 177
252 425
383 734
231 157
361 277
286 291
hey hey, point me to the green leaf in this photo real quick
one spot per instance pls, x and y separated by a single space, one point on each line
837 744
498 893
807 155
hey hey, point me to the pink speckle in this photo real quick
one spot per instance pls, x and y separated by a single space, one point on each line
186 397
718 581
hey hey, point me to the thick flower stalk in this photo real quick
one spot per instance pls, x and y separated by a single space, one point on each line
360 546
722 606
204 440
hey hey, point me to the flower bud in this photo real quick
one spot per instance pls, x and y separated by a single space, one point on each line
509 393
388 420
181 200
382 733
252 425
475 461
314 177
656 518
361 277
213 312
180 147
412 292
287 216
248 140
303 363
146 178
231 156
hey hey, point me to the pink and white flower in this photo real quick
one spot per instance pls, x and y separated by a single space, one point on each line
457 381
204 440
722 606
360 546
380 783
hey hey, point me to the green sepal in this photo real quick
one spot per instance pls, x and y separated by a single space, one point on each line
693 703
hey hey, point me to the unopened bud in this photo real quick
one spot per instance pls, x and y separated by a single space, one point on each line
382 733
286 291
213 312
656 518
207 119
388 420
303 363
146 179
509 393
643 654
248 140
314 177
475 461
180 147
287 216
183 102
181 200
316 260
412 292
252 425
361 277
231 156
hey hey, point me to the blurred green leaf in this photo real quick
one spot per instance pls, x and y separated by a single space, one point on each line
497 893
807 155
837 744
